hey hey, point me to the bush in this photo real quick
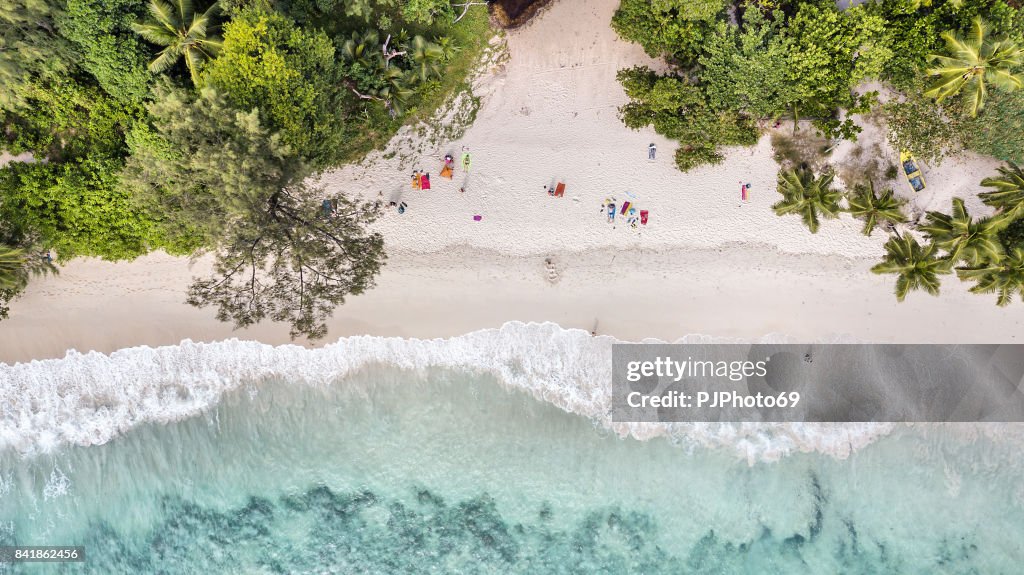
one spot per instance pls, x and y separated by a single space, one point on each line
1013 235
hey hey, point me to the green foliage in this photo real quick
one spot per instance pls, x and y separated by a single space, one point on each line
206 165
964 238
219 176
288 73
998 130
673 28
1007 194
810 197
679 110
101 32
30 49
830 52
974 62
746 69
426 11
916 266
1003 277
876 210
64 119
911 34
1012 236
77 208
183 32
928 131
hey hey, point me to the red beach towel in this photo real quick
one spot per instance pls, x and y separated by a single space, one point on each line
643 217
559 190
425 181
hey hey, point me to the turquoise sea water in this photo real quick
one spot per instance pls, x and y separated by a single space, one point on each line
438 471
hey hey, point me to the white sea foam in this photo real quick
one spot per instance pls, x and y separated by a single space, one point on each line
88 399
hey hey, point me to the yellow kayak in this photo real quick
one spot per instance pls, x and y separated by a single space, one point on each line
912 170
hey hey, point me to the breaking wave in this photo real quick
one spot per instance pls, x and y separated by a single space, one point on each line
91 398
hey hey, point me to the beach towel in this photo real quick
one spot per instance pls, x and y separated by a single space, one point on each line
416 181
611 212
425 181
446 172
559 190
477 218
625 208
466 161
643 217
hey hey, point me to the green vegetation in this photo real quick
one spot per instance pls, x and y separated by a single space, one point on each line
1007 195
973 63
962 237
810 197
737 64
915 266
183 32
800 61
680 110
1003 277
191 128
876 210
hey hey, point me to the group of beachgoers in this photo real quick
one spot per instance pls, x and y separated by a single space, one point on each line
627 210
634 216
420 180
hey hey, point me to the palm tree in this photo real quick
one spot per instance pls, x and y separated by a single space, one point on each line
875 209
1008 196
916 266
396 91
16 267
972 63
426 58
448 48
808 196
967 239
182 31
1004 276
363 48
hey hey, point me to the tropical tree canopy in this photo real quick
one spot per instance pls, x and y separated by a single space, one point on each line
810 197
1008 191
875 209
182 32
974 61
964 238
1003 277
916 266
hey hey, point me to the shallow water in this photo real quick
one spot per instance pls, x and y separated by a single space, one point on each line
439 471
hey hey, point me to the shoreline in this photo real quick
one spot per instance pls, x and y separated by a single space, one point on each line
732 291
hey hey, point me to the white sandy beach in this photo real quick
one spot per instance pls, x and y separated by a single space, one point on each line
706 263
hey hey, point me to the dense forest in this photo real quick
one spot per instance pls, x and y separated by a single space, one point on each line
191 127
953 69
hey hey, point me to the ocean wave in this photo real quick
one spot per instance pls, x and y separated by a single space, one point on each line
91 398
